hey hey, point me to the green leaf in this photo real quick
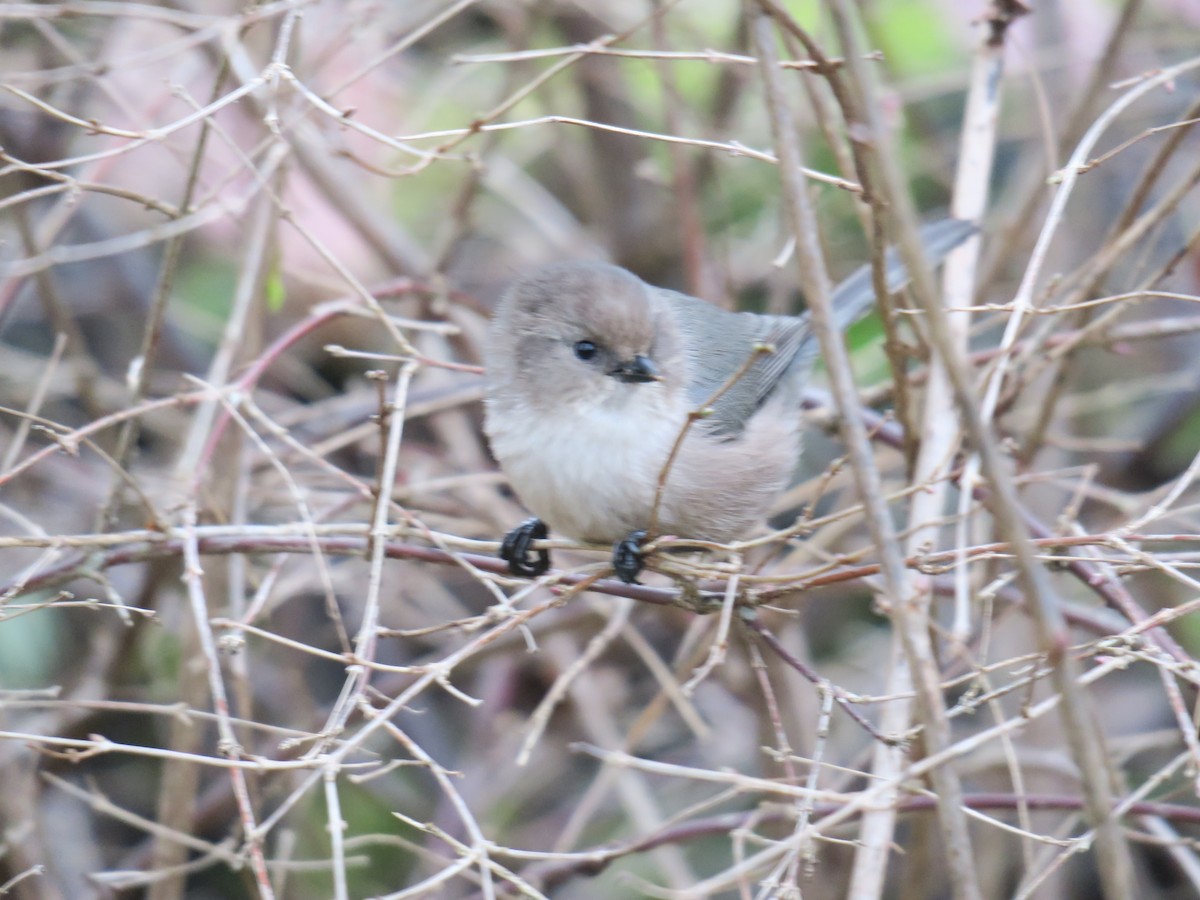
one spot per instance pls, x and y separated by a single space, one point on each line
276 293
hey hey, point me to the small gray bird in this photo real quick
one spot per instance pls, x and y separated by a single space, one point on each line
592 377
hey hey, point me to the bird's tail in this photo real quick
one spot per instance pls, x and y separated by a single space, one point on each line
855 296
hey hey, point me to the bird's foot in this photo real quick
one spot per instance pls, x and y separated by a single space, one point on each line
517 553
628 558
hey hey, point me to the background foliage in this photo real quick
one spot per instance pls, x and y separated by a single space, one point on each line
253 637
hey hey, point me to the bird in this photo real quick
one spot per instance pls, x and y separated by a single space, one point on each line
620 410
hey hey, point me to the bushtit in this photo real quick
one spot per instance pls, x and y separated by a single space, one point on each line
618 409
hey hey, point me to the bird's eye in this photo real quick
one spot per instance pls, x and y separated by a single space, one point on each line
585 350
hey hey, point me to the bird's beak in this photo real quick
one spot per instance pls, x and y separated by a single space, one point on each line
639 370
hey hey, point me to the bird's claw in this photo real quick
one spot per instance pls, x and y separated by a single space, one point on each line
517 553
628 558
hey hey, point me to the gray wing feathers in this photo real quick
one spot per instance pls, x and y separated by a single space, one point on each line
855 296
718 343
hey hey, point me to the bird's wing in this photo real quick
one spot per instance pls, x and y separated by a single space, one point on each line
720 350
718 343
854 297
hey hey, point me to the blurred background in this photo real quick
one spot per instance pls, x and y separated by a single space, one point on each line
253 640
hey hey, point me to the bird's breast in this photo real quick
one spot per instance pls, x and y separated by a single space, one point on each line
590 472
